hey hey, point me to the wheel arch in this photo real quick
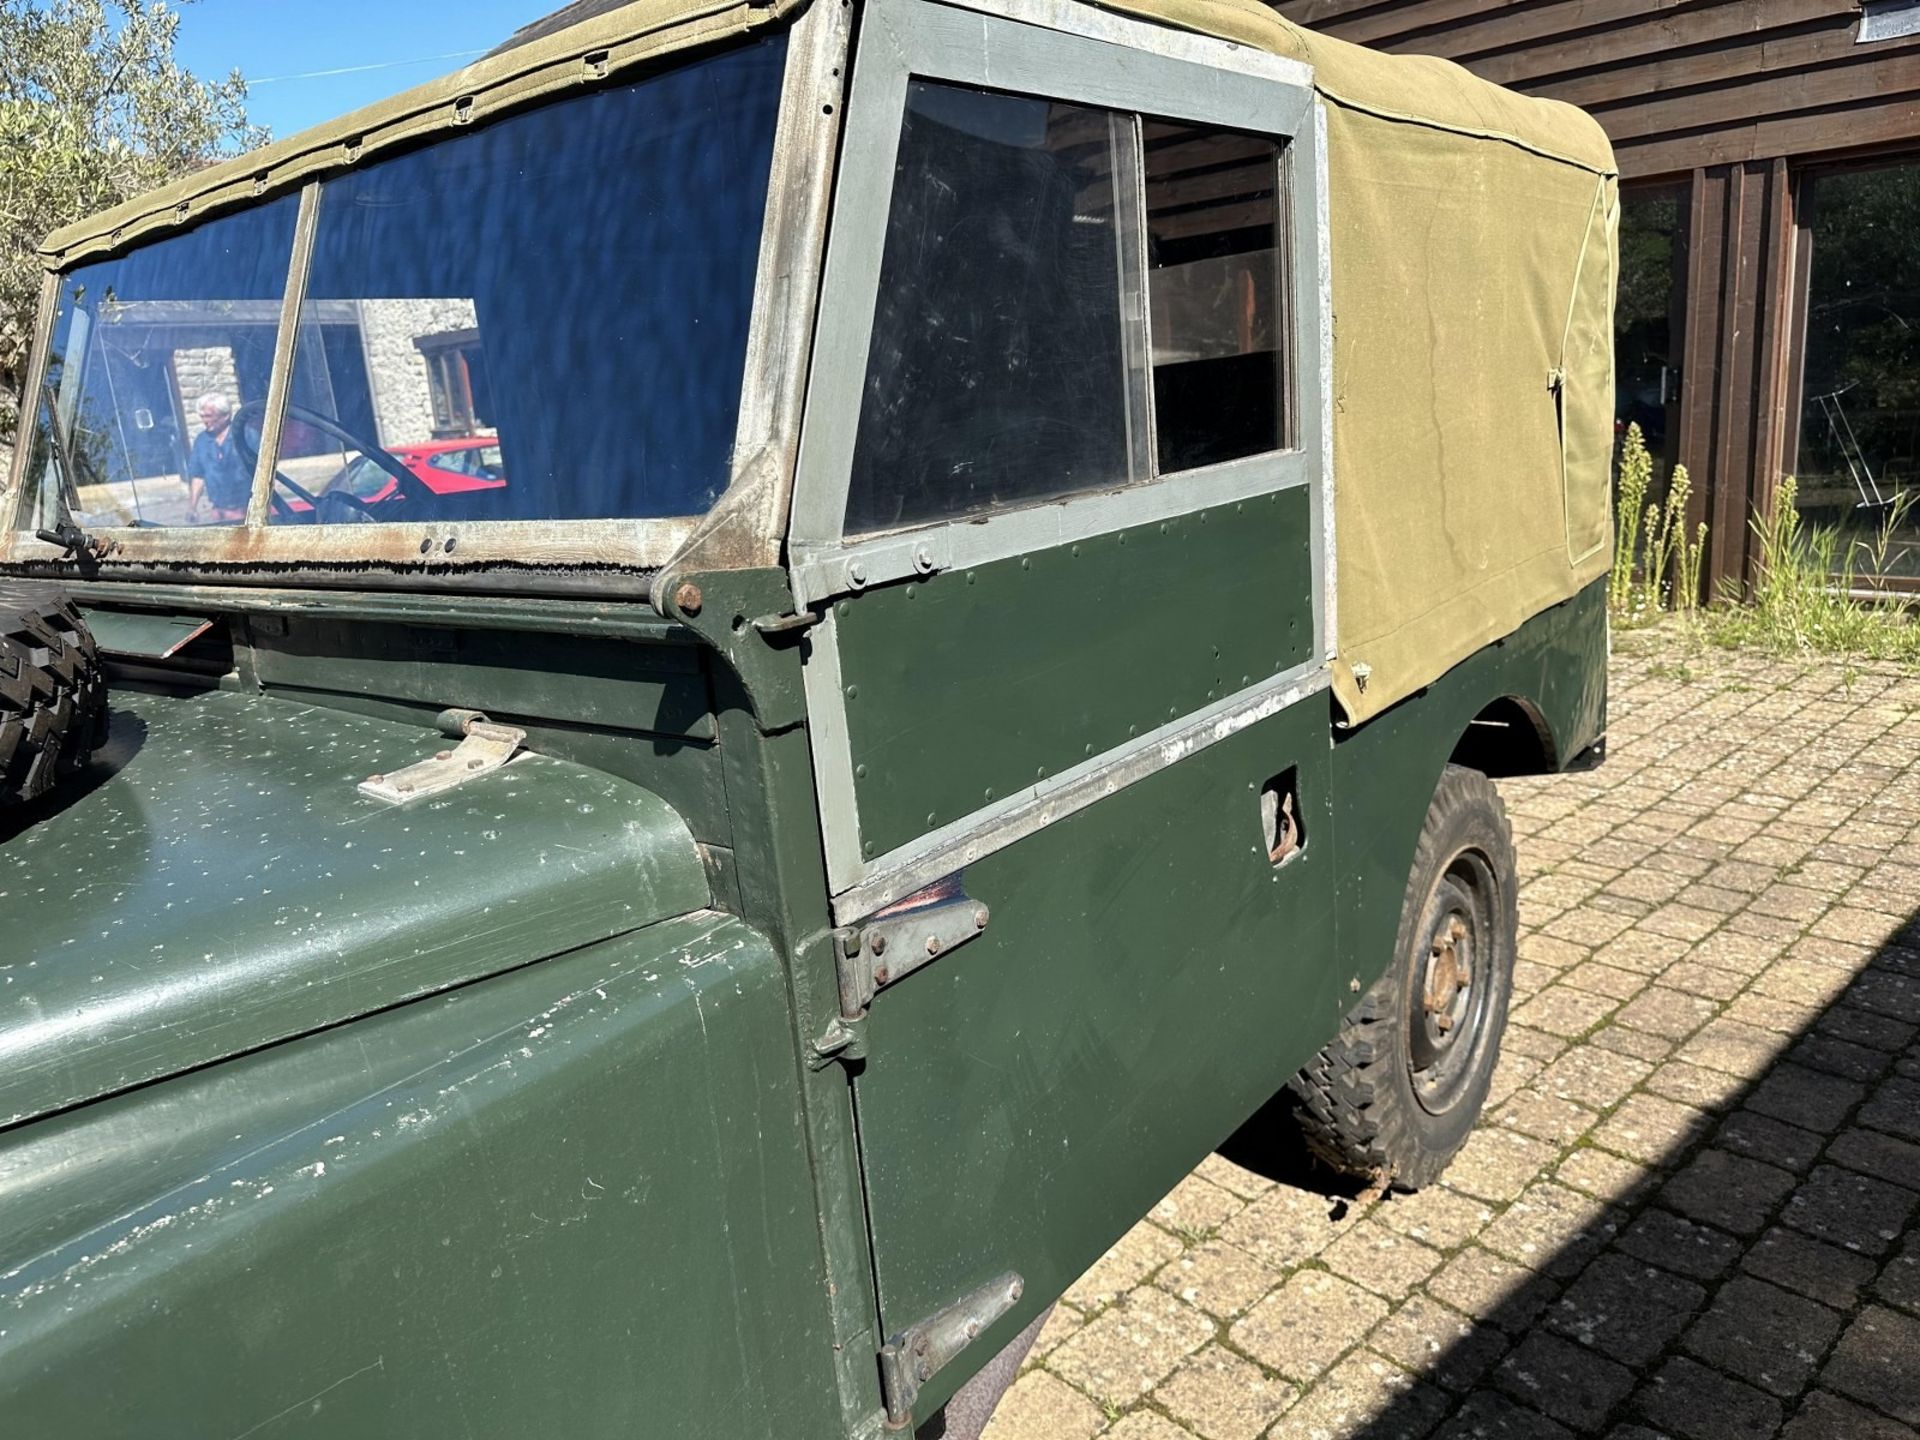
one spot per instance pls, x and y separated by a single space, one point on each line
1509 736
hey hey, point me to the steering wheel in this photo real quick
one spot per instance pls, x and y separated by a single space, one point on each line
351 506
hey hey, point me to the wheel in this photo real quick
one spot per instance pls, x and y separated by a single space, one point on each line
53 692
1396 1093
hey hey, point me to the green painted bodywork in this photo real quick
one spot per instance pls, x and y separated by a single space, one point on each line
974 684
229 886
572 1200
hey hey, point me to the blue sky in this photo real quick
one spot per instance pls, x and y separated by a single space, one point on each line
279 44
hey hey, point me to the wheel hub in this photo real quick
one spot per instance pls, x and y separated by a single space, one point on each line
1447 1004
1447 976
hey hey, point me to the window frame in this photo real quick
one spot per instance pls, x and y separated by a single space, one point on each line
1079 56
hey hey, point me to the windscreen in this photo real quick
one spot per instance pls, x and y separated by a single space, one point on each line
542 318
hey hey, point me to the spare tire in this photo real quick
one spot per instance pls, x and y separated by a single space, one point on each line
53 692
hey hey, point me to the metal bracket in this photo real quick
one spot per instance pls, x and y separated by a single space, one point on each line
486 747
897 942
919 1352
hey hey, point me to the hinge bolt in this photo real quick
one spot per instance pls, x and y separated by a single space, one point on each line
881 975
376 779
688 598
933 944
443 754
878 944
980 918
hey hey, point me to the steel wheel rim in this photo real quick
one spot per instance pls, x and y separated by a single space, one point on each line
1451 995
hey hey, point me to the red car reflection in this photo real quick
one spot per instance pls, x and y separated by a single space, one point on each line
446 467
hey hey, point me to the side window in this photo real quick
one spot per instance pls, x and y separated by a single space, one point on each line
1216 294
997 371
1013 359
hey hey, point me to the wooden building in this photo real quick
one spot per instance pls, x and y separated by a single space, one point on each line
1769 309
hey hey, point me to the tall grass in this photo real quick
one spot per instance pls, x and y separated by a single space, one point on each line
1805 599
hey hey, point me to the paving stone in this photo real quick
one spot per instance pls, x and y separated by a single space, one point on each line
1307 1324
1364 1395
1552 1228
1853 1211
1039 1407
1133 1257
1887 993
1570 1383
1787 1019
1696 1085
1807 1098
1672 1013
1625 1309
1864 1027
1878 1362
1564 1011
1546 1117
1491 1289
1145 1425
1383 1261
1758 1137
1652 1130
1640 1044
1438 1344
1223 1397
1899 1282
1739 1049
1131 1346
1727 1191
1697 978
1221 1279
1435 1215
1764 1335
1894 1107
1489 1415
1827 1417
1689 1400
1285 1226
1524 1041
1196 1205
1592 1076
1234 1179
1061 1323
1609 980
1497 1163
1883 1156
1810 1267
1606 1176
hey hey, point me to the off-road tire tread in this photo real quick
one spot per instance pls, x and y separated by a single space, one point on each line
1349 1113
53 692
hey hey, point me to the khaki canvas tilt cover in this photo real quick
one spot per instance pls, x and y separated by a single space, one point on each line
1472 248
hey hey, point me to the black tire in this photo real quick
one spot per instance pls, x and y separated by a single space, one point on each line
1397 1092
53 693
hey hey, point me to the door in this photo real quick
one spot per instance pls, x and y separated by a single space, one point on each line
1062 502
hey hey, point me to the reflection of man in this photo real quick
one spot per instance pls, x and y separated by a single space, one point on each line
215 471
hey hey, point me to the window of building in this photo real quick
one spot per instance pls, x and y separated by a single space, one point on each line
1070 300
1857 470
1648 319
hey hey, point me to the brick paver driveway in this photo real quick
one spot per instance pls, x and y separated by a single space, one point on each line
1691 1208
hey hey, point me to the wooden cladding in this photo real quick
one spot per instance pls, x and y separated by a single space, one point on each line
1677 86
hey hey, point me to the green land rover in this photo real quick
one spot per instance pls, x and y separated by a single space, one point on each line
767 660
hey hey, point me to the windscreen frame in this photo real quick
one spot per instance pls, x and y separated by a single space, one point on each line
617 555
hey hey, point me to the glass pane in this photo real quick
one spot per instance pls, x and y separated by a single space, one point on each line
152 353
1646 388
997 374
1214 294
1859 454
584 316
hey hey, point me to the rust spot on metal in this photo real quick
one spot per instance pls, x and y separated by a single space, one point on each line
687 598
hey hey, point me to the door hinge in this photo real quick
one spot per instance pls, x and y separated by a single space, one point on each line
898 941
920 1352
484 747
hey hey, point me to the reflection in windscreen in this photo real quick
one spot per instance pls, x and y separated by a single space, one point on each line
152 355
545 318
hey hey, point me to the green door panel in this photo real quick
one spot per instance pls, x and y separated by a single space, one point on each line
226 885
976 683
573 1201
1148 979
